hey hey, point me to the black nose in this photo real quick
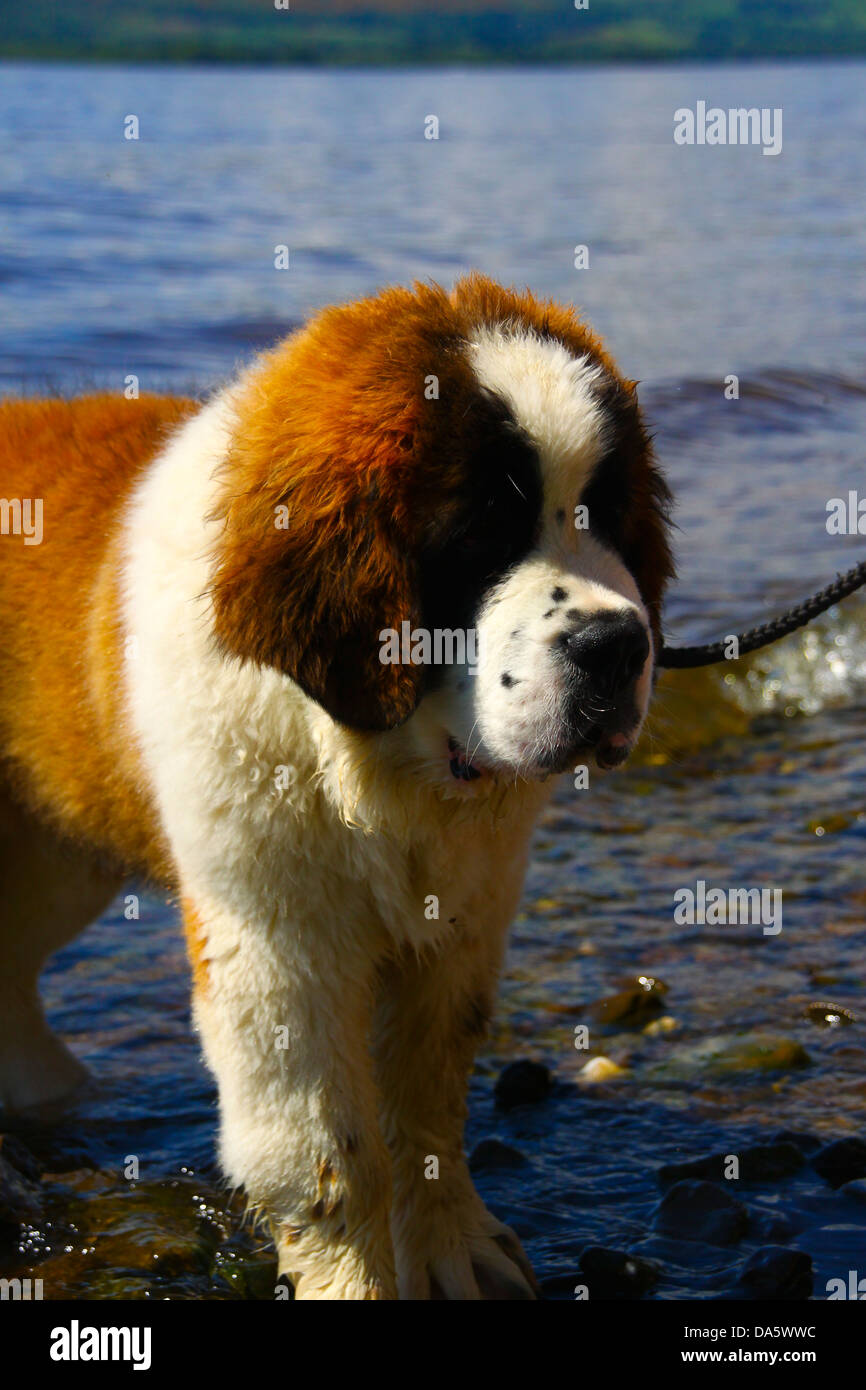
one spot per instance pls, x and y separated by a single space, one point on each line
609 649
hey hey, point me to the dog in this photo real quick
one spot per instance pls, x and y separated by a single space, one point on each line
200 684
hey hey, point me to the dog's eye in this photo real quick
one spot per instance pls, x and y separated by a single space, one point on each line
471 544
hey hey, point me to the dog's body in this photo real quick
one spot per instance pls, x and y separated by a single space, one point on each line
192 688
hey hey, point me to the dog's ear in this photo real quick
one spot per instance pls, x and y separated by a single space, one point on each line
309 589
334 487
316 554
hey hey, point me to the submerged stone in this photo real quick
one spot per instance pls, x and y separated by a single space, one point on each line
20 1199
492 1153
830 1015
614 1274
806 1143
842 1161
701 1211
727 1056
757 1163
601 1069
522 1083
633 1006
776 1272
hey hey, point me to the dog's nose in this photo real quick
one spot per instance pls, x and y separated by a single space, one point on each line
608 648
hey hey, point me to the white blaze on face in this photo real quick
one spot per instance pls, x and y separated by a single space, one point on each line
520 695
551 396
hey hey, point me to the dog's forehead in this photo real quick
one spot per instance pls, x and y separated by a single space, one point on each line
554 397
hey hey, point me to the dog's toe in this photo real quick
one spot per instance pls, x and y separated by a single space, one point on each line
501 1268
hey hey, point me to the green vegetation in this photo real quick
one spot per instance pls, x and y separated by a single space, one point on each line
448 31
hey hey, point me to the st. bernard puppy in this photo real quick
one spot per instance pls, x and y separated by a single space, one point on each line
198 684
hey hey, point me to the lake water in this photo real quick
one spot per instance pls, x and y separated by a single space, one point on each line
156 257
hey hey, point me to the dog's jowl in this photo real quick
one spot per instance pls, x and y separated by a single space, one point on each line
193 689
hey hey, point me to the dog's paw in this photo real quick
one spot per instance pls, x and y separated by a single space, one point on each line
467 1255
321 1264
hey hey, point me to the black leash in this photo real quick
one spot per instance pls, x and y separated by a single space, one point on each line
711 652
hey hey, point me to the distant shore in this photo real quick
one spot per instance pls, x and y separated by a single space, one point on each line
539 31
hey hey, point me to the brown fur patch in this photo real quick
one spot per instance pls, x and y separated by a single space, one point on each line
330 1198
63 740
289 1235
196 945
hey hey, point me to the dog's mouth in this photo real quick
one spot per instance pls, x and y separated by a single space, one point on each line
609 747
460 765
612 750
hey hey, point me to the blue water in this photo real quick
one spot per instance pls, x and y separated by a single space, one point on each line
155 257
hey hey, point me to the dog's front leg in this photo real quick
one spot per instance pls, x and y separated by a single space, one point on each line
284 1019
432 1016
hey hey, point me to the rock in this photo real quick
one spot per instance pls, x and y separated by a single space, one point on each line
829 1015
694 1210
522 1083
770 1162
613 1274
490 1154
601 1069
772 1226
726 1056
760 1052
710 1168
856 1189
631 1006
248 1276
20 1199
776 1272
16 1153
757 1163
842 1161
806 1143
659 1027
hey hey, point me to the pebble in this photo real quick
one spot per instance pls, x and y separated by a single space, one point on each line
17 1153
601 1069
725 1056
614 1274
759 1052
806 1143
491 1154
522 1083
829 1015
772 1226
20 1199
841 1161
776 1272
757 1163
660 1026
694 1210
632 1006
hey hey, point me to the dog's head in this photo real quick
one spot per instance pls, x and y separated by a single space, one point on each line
449 501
